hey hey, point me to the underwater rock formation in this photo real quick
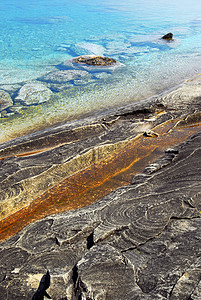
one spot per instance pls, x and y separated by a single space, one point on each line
33 93
65 76
5 100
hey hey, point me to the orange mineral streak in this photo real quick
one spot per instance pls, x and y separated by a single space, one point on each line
28 153
91 184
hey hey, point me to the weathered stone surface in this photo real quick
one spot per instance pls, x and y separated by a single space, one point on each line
77 146
142 241
33 93
5 100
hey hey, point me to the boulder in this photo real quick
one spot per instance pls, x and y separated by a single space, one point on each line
90 63
33 93
65 76
168 36
5 100
95 60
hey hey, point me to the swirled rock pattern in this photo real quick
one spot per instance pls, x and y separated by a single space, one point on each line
142 241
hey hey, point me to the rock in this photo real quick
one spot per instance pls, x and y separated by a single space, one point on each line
168 36
115 275
16 108
43 286
150 133
65 76
10 88
90 63
138 242
4 113
33 93
141 241
95 60
56 87
5 100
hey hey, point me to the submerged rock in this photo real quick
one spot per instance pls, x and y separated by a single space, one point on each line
168 36
5 100
11 88
16 108
58 87
65 76
95 60
33 93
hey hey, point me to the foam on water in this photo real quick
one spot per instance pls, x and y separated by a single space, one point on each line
37 36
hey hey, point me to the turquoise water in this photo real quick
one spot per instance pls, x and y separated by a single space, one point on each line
36 37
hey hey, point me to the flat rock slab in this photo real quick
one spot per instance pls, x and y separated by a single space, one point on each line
141 241
60 152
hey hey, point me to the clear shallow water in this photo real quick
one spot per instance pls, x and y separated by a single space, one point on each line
37 36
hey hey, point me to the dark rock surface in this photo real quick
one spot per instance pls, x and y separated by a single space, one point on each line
141 241
168 36
76 146
43 286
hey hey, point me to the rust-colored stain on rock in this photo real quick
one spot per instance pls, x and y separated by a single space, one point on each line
93 183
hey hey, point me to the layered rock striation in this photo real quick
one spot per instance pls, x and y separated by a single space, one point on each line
141 241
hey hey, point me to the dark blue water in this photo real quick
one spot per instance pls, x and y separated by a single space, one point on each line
37 36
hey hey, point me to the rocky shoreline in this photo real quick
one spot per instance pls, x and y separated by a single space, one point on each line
15 98
141 241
